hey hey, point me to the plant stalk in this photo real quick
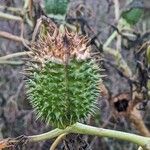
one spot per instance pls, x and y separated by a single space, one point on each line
80 128
133 138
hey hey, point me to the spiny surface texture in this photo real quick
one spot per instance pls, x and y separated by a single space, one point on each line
65 91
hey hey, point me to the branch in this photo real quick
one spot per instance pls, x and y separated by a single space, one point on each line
45 136
11 62
9 17
120 62
15 55
89 130
11 37
117 15
15 38
79 128
12 9
117 9
109 40
57 141
4 59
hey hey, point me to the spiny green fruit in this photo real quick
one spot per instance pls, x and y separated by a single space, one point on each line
61 97
56 6
133 12
64 88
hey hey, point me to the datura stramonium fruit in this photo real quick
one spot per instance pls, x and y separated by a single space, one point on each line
64 81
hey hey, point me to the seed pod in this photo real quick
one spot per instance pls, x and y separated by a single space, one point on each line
64 89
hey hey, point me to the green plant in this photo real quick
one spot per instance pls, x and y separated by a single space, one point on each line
56 6
134 12
64 89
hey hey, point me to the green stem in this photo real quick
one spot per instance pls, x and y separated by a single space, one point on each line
100 132
109 40
45 136
89 130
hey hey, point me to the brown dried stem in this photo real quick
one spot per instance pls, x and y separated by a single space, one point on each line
11 37
135 115
57 141
138 122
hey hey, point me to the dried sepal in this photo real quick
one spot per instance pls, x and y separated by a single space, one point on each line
55 43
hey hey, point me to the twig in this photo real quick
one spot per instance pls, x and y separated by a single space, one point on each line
24 41
121 63
26 4
4 59
109 40
117 11
11 62
15 38
135 115
117 15
39 21
15 55
9 17
11 37
46 136
136 118
57 141
27 9
12 9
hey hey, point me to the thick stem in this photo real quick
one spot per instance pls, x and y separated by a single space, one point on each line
89 130
45 136
100 132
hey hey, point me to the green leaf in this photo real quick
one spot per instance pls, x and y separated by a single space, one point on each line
133 16
56 7
134 12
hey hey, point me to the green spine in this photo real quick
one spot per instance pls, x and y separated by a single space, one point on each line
61 96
